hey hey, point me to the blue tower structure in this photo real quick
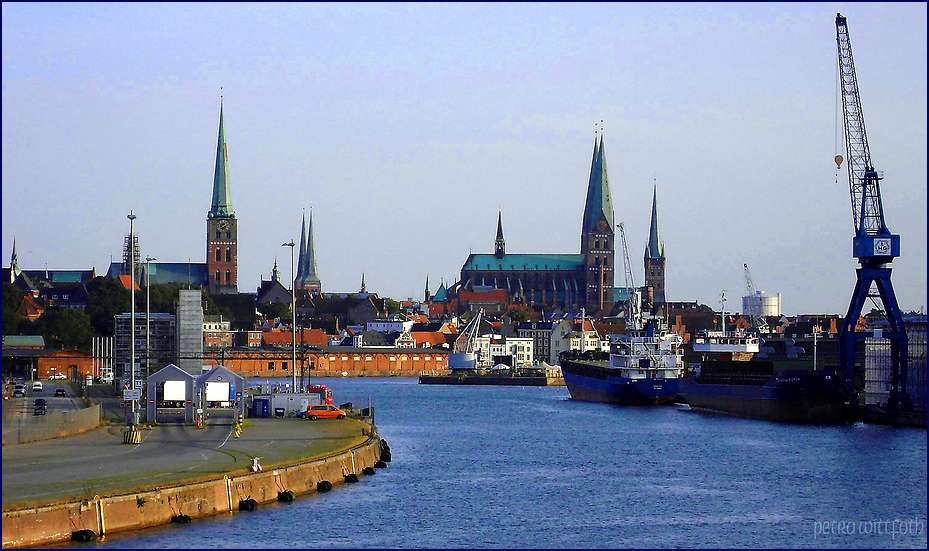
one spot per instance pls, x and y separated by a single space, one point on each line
873 245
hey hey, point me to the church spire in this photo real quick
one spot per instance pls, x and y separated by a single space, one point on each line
654 248
499 243
302 254
14 264
275 273
310 279
222 193
599 202
363 288
427 290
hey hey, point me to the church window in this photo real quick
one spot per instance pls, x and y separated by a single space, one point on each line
597 244
228 254
227 276
218 255
217 234
217 275
228 235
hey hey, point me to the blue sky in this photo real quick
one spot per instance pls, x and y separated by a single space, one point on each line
405 127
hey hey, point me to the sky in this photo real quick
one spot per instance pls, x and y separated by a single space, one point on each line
406 127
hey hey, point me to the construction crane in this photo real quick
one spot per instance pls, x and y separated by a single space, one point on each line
758 321
632 304
873 245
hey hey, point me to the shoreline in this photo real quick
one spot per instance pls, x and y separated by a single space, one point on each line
134 507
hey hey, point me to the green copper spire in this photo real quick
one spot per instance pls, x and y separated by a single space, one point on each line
655 248
309 258
302 254
598 192
222 194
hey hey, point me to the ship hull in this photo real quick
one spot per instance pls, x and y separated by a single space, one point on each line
790 397
594 383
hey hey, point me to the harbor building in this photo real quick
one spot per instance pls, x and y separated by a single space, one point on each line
568 281
878 369
153 353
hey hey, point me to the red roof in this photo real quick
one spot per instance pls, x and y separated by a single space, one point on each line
432 338
124 279
312 337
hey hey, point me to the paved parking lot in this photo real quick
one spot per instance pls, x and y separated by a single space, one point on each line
99 463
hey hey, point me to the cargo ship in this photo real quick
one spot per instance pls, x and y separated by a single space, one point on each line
728 380
643 367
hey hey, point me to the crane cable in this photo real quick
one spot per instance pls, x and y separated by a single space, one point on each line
838 158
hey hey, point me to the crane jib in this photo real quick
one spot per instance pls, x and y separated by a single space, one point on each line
872 238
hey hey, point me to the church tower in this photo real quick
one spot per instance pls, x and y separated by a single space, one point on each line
221 227
597 236
654 256
499 243
308 280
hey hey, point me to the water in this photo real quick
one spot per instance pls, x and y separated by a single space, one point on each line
526 467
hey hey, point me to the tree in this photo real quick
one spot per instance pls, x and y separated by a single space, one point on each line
277 309
517 315
106 297
64 328
12 299
392 306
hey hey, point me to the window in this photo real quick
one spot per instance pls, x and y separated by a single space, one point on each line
228 235
64 297
228 277
217 234
217 275
218 256
271 366
284 365
228 254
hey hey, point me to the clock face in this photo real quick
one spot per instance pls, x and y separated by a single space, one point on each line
601 225
224 225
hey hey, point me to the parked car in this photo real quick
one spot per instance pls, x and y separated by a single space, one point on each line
324 411
37 386
60 392
58 377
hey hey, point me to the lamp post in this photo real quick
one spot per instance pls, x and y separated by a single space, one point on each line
148 314
131 418
293 311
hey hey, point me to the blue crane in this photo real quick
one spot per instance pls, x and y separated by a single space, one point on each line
873 245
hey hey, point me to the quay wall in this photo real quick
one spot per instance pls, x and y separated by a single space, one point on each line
120 513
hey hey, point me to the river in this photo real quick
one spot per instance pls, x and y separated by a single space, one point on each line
526 467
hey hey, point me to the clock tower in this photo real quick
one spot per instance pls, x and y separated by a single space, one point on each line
221 225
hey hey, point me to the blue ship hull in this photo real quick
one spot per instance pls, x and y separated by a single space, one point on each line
787 396
597 383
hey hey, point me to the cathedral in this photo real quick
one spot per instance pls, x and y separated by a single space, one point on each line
568 281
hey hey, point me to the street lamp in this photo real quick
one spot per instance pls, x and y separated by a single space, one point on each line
148 314
131 418
293 310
